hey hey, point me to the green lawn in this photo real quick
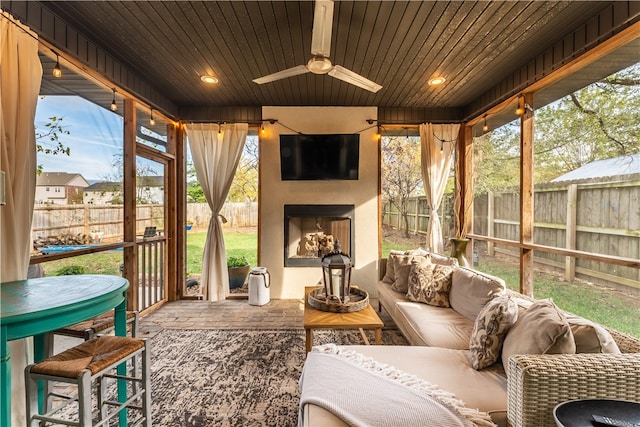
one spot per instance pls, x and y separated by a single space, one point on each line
236 244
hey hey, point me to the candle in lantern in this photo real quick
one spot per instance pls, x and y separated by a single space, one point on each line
336 282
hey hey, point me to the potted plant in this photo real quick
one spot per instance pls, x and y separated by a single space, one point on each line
238 267
189 225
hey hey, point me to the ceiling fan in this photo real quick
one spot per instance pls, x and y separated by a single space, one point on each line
320 63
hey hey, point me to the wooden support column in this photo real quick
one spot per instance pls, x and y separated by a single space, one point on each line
491 214
464 176
525 102
178 238
129 195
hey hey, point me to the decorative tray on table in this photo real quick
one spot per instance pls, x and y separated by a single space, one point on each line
358 300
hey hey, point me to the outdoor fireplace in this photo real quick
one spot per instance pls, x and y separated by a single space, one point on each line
311 231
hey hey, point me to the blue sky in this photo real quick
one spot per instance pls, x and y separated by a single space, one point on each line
95 136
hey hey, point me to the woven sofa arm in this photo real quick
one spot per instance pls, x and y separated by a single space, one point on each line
537 383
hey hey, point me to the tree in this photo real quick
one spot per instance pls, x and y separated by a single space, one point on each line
245 183
48 139
597 122
401 174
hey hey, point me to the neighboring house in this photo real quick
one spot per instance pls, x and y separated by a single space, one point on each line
149 190
607 168
60 188
103 193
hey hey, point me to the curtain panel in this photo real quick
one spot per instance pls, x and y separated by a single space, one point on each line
216 151
20 78
438 143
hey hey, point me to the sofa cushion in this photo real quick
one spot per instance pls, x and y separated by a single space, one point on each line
427 325
402 268
429 283
450 370
591 337
489 330
471 290
541 329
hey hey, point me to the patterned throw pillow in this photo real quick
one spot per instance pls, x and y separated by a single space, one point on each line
489 330
430 283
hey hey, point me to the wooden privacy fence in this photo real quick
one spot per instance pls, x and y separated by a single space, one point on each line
237 214
593 217
105 222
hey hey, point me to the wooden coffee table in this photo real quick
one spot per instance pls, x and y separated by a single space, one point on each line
361 320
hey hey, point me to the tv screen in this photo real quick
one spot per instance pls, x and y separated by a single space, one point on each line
319 157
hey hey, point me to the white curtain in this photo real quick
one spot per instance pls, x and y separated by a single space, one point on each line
216 151
438 144
20 77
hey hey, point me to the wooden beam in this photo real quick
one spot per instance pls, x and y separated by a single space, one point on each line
525 103
179 244
598 52
129 190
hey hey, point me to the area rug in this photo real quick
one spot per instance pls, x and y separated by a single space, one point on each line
230 377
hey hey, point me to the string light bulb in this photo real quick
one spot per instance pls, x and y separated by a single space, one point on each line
114 106
57 71
152 121
485 128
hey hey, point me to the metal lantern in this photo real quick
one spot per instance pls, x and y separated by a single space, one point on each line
336 272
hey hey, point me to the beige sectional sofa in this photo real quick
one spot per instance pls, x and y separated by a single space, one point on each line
522 393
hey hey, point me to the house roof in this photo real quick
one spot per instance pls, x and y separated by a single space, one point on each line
104 186
60 179
146 181
488 51
616 167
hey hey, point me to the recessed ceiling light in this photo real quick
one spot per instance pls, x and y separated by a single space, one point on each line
209 79
436 81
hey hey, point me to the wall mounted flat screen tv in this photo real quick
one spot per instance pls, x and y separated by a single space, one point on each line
319 157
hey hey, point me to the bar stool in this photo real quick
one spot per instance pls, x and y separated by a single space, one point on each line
89 329
82 365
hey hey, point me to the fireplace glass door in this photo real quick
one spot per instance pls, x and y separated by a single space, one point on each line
313 231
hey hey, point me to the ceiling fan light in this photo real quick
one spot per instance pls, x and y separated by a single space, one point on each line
436 81
319 65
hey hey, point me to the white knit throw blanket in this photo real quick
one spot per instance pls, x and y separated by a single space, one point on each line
364 392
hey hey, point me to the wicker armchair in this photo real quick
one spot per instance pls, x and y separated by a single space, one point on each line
537 383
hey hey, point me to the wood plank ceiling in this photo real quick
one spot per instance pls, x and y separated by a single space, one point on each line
398 44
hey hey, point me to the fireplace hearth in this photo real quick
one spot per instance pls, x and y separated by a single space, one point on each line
311 231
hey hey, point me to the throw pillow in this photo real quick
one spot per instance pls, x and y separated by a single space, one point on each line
489 330
471 290
389 274
541 329
429 283
402 269
591 337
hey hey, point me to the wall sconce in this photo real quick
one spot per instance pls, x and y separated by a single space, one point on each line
114 106
57 71
152 121
485 128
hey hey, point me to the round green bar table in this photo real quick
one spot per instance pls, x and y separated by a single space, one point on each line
34 307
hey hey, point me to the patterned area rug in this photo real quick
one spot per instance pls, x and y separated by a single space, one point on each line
234 377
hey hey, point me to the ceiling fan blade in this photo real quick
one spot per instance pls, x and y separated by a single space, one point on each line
289 72
322 26
349 76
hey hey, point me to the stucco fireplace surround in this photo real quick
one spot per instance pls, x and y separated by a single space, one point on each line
360 196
